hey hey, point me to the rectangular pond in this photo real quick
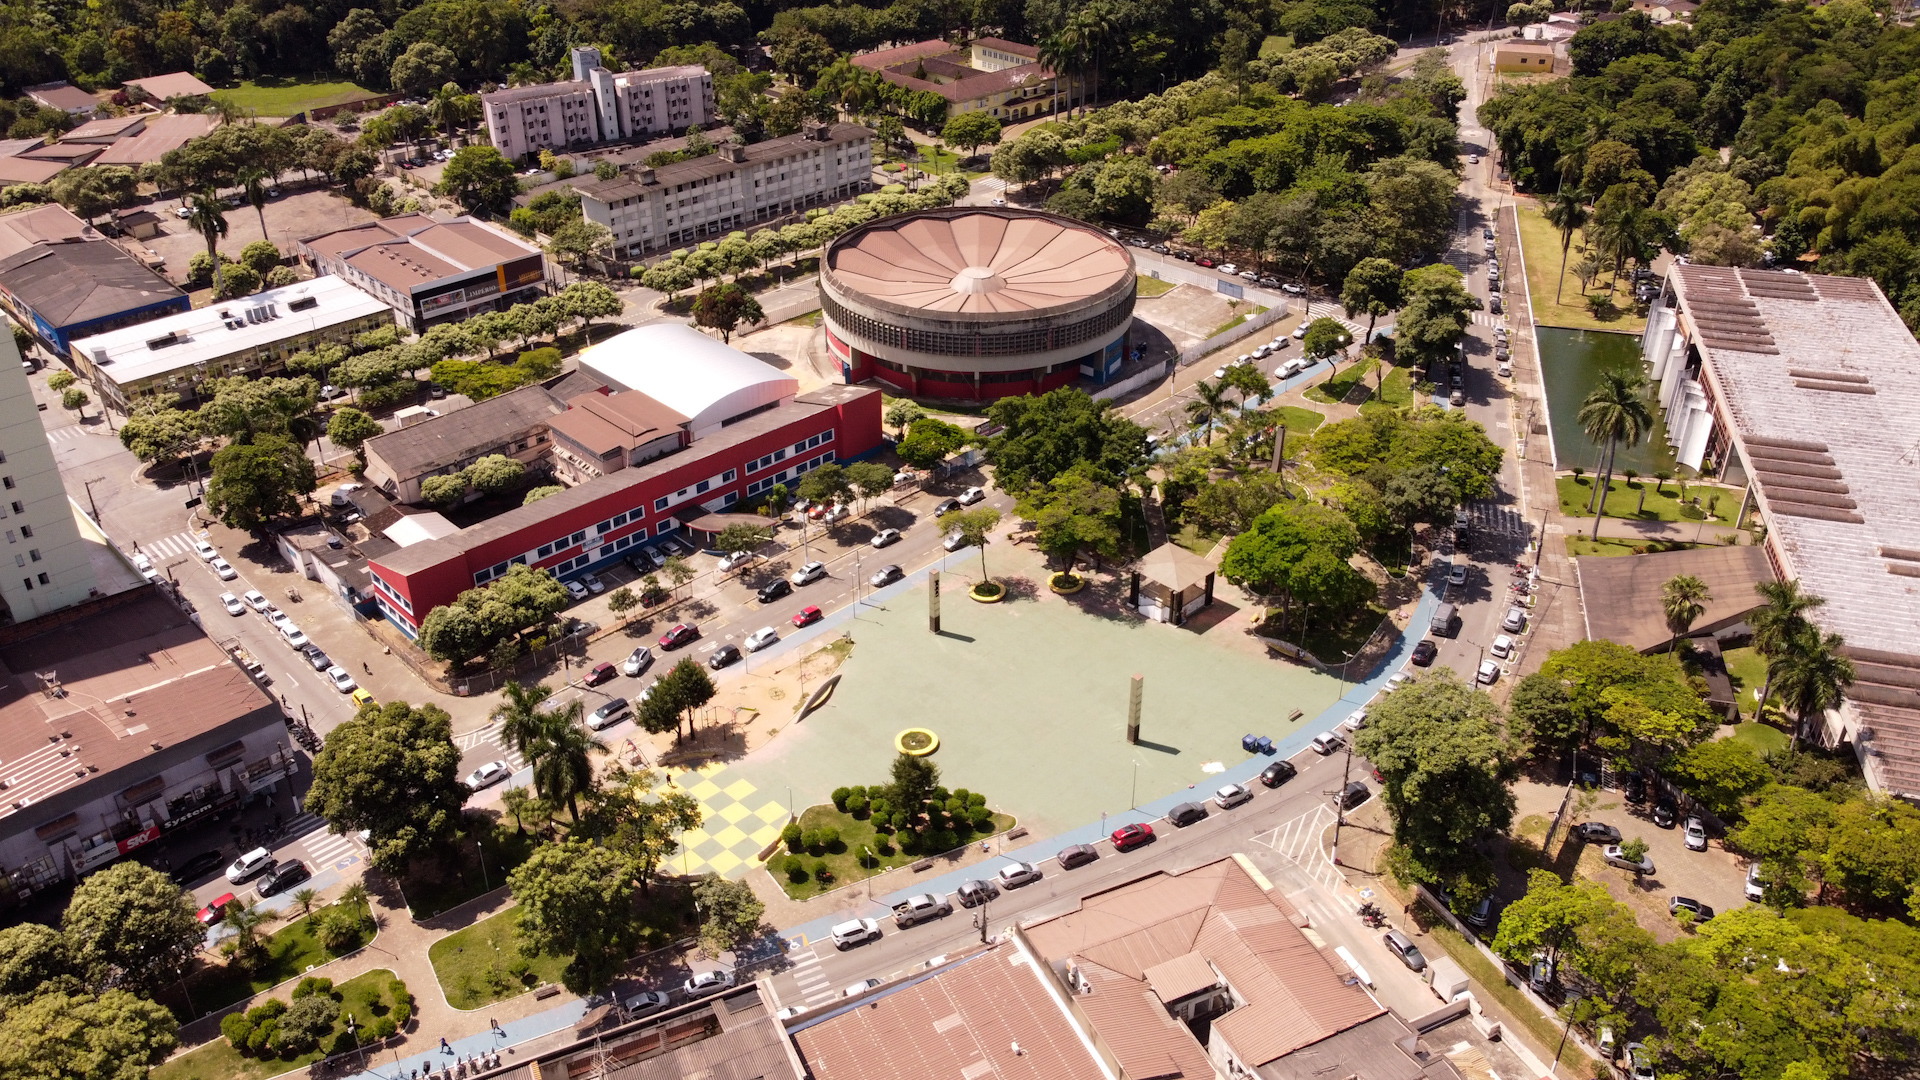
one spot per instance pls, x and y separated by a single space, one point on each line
1572 363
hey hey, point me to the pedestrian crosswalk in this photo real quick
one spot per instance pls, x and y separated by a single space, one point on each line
168 547
1488 318
1494 519
66 434
489 736
325 849
814 983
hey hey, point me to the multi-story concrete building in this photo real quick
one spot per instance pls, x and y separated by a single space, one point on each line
50 569
431 271
998 77
652 209
253 335
597 106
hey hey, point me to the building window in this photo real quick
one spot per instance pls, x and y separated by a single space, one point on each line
45 580
26 531
28 582
7 481
34 554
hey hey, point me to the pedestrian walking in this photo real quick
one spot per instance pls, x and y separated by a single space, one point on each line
443 1045
365 668
496 1025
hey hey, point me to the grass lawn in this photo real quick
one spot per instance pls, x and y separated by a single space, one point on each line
1607 546
290 951
1148 287
1764 738
365 996
1748 671
1237 320
1661 504
1299 421
1396 392
474 965
1331 644
1542 244
842 858
1334 390
811 318
1191 538
940 161
288 97
505 849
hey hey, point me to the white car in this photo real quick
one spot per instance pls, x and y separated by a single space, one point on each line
1489 672
1457 575
792 1011
1300 332
1473 159
249 866
645 1003
1263 352
1355 722
1015 874
1696 831
885 536
223 569
637 661
860 987
1325 744
1502 647
1398 680
205 550
734 560
1229 269
577 591
1231 796
1756 889
809 573
855 932
488 775
256 601
707 982
760 639
275 617
955 541
232 604
970 496
341 681
291 634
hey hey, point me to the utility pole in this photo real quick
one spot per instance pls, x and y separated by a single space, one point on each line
88 484
1340 802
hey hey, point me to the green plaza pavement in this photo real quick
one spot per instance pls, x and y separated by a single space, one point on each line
1029 699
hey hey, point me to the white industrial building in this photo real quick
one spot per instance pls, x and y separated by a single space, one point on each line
652 209
597 106
710 383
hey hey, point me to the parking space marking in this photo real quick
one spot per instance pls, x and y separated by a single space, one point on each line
1299 841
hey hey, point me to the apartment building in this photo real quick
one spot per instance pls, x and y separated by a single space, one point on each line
650 210
598 106
50 565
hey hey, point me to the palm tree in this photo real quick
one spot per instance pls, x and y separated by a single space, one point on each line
1778 623
1812 677
521 722
448 107
355 896
1683 598
305 899
254 180
246 923
1065 55
1622 235
1615 412
210 222
563 758
1567 212
1210 401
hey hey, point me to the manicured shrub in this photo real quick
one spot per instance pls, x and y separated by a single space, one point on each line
260 1041
858 791
840 796
982 819
882 848
269 1009
858 806
401 1013
900 819
829 836
962 794
238 1030
938 840
813 842
791 835
820 871
313 984
880 807
796 869
397 989
976 799
384 1027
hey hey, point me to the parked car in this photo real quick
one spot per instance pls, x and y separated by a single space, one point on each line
1502 646
860 987
197 867
223 569
886 575
761 638
973 892
1678 904
807 616
341 680
577 591
232 604
1015 874
954 541
637 661
707 982
1613 855
205 550
1187 813
970 496
1404 950
593 583
249 866
1229 269
1665 813
774 590
1540 973
645 1003
1355 793
1326 743
733 560
681 634
1634 788
1458 574
854 932
1278 773
1696 831
1231 796
1756 889
1515 620
1597 832
614 711
945 506
1640 1062
1128 837
1456 399
283 876
1424 652
215 910
722 656
600 673
809 573
488 775
255 600
1076 855
886 536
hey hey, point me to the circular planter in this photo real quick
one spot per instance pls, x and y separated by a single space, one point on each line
1066 584
916 742
988 592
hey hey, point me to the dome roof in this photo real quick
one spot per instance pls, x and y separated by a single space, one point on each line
985 261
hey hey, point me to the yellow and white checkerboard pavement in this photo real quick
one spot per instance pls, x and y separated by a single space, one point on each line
738 821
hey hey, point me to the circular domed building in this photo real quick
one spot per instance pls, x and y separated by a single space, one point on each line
971 303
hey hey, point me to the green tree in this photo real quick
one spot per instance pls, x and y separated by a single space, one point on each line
114 1036
1780 623
495 474
34 958
479 178
518 714
576 899
350 429
210 221
1540 714
742 536
423 66
1811 678
729 913
724 307
1614 412
1566 211
914 780
1290 537
1786 830
1042 437
1325 340
1447 761
254 483
94 190
260 256
621 601
869 480
929 442
535 494
1683 598
1209 402
393 771
973 525
1719 773
130 927
1071 513
971 130
75 400
901 413
562 757
1372 288
1247 381
579 240
1434 314
511 604
629 813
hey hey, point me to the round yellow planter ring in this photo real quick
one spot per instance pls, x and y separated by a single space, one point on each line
916 742
993 594
1055 583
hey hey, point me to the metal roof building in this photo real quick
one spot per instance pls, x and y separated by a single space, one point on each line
709 383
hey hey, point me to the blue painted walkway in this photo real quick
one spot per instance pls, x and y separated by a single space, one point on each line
508 1034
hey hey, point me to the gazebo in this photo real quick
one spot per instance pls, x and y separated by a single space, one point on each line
1171 583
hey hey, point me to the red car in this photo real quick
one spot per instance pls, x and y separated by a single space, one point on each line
600 673
678 636
808 615
1128 837
215 911
1203 261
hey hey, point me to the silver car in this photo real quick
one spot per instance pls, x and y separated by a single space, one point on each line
1231 796
1013 875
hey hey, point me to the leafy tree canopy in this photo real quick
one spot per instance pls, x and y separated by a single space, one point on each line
392 770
